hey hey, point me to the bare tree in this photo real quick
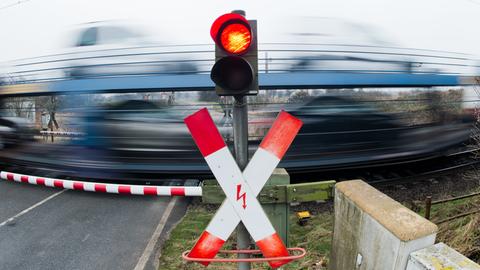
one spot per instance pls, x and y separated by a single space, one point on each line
300 96
50 106
20 106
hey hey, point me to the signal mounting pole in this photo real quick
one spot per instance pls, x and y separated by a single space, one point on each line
235 74
240 141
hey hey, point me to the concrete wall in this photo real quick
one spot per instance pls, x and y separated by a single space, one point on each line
372 231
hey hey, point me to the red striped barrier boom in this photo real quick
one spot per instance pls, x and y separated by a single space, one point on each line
103 187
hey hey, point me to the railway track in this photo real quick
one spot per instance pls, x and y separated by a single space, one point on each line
405 171
426 174
451 163
393 173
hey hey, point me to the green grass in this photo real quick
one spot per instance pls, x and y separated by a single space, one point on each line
315 237
462 234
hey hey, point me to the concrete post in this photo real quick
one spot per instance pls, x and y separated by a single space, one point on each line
372 231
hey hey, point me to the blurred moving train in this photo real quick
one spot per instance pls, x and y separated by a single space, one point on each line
138 138
331 124
141 138
98 52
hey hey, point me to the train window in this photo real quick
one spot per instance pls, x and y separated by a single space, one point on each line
89 37
112 34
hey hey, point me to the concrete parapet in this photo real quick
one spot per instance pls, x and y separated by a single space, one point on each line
373 231
440 257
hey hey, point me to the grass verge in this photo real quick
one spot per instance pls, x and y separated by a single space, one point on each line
462 234
315 237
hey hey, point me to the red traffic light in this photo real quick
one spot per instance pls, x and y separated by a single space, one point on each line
236 38
235 71
232 33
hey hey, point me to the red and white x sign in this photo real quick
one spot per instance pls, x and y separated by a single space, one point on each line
241 189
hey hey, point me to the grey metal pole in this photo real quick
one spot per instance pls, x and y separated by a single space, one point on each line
240 140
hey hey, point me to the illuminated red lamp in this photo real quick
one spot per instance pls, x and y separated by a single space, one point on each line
232 33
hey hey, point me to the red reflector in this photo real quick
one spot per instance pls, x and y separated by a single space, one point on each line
100 188
41 181
236 38
78 185
58 183
177 191
124 190
150 191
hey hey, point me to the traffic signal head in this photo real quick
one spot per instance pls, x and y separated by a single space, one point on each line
236 67
232 73
232 33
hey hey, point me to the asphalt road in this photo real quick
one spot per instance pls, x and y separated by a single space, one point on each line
46 228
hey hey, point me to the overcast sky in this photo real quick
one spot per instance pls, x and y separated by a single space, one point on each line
39 27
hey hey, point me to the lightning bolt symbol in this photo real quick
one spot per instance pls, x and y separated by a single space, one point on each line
242 196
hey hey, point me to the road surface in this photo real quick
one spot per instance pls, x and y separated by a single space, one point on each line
46 228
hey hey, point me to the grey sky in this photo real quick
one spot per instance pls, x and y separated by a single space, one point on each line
39 27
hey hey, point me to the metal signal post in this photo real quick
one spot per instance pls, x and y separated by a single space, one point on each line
240 140
235 73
